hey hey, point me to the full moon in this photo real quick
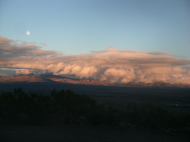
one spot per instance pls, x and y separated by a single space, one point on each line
28 33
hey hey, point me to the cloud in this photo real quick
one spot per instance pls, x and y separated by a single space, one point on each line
87 82
21 79
43 44
118 75
9 47
113 65
23 72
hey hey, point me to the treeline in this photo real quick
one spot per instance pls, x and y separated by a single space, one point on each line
66 107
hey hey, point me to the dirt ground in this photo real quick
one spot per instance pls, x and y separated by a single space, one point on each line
71 133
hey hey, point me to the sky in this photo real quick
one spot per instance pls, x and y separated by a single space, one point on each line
113 40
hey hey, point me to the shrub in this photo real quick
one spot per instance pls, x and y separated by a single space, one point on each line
66 107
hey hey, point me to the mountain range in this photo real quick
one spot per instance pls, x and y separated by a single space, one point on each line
69 80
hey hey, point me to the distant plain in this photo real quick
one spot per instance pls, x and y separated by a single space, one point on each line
174 99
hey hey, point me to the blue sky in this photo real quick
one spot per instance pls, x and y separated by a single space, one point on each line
80 26
137 32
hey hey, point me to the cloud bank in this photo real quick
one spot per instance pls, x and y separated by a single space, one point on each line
23 72
113 65
31 78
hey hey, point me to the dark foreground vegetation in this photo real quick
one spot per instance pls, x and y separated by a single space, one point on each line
66 107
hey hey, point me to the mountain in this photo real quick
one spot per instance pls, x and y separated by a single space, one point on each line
69 80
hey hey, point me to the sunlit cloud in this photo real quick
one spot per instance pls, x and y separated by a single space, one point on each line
12 48
23 71
21 79
113 65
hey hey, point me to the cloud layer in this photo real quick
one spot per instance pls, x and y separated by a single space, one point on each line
113 65
23 72
22 79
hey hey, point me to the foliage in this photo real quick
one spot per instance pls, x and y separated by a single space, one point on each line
156 118
61 107
66 107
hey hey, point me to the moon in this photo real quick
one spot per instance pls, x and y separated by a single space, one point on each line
28 33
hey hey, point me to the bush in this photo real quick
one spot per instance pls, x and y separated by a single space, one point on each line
156 118
66 107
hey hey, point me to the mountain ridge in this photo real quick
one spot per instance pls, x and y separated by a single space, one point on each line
62 79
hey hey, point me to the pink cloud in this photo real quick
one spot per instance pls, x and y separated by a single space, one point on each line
113 65
87 82
23 49
23 72
21 79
